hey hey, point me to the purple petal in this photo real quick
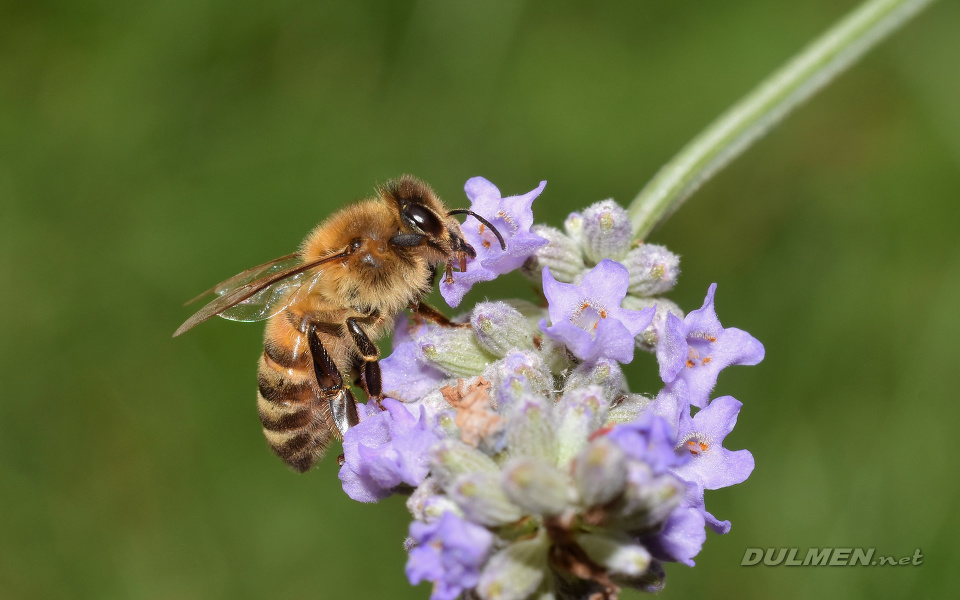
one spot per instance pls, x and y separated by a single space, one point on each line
672 348
713 466
682 537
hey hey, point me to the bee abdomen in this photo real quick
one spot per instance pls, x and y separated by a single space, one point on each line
294 419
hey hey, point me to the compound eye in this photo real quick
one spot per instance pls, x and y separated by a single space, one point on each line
423 219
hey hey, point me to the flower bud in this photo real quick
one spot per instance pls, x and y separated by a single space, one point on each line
653 270
604 372
555 355
562 255
536 486
518 375
628 409
516 571
606 231
650 337
600 472
483 501
428 502
573 225
455 351
531 431
619 555
579 412
500 328
647 499
450 459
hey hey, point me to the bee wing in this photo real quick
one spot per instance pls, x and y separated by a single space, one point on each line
262 297
274 266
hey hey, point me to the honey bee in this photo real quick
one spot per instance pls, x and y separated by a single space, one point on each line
327 303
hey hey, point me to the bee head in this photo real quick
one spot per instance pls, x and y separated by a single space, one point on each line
426 222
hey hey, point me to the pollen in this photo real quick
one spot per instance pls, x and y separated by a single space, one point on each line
706 359
696 444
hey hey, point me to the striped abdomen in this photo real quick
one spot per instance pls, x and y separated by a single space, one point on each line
296 419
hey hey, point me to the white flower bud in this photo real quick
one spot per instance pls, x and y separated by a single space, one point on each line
516 571
450 459
579 412
455 351
562 255
653 270
606 231
650 337
647 499
427 503
600 472
628 409
483 501
518 375
619 555
536 486
531 431
573 225
500 328
604 372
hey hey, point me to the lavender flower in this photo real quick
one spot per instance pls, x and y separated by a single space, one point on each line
386 449
405 374
449 552
588 318
713 466
513 217
697 348
537 473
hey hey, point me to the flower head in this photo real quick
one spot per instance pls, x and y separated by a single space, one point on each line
588 318
537 473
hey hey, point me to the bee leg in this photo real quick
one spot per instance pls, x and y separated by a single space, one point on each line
372 380
422 310
343 406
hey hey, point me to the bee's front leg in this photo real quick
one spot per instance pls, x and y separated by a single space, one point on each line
423 311
343 406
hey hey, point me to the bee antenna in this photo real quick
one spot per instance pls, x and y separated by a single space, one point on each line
465 211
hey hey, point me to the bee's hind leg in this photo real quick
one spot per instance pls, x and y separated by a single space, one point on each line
343 406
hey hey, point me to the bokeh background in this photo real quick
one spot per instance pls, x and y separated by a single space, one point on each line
150 149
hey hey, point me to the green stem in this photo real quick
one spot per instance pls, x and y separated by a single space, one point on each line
751 117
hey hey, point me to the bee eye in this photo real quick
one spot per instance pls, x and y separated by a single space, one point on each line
423 219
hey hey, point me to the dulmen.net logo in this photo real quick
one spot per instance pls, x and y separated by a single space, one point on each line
826 557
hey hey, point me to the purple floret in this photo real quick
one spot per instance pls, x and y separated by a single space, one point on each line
449 552
588 319
513 217
404 374
387 448
697 348
713 466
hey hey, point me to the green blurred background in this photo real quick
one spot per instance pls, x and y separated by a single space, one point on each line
150 149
